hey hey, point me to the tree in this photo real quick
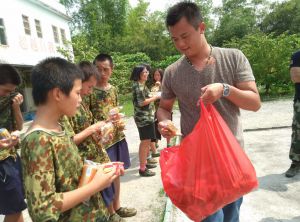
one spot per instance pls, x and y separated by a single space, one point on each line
269 57
100 21
284 17
237 18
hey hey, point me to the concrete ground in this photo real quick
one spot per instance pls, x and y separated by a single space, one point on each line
267 141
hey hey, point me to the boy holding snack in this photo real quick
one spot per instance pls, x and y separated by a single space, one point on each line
52 166
87 135
102 102
11 188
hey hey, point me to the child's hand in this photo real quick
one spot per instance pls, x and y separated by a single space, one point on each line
103 180
96 127
8 143
17 100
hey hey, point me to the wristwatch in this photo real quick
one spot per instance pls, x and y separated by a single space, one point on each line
226 90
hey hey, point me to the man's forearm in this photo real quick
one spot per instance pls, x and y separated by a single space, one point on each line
163 114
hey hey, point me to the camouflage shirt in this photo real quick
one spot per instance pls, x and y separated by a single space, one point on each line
143 115
90 148
155 89
100 102
7 121
51 166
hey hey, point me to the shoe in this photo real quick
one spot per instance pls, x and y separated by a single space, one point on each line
152 161
150 165
155 154
146 173
115 218
126 212
293 170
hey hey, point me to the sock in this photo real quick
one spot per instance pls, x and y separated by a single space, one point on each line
142 167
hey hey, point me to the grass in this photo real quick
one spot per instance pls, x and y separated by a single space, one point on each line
126 102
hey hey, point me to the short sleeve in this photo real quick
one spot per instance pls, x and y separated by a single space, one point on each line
138 91
167 92
44 204
243 69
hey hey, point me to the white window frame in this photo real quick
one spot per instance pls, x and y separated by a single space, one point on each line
3 39
26 24
38 28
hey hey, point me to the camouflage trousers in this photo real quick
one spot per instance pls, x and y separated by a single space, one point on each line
295 143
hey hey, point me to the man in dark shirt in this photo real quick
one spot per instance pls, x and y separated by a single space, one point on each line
295 143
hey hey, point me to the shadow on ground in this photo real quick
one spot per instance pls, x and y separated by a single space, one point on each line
272 219
276 182
131 174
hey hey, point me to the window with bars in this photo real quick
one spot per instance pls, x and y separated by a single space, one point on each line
38 28
55 34
63 36
26 24
2 33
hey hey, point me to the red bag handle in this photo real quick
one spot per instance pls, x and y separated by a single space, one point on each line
204 109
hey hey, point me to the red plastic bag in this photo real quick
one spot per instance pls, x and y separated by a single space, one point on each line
208 170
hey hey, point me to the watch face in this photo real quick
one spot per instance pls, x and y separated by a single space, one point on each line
225 90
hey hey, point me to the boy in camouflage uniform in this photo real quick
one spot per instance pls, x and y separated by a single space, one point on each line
100 102
11 188
87 134
295 143
52 165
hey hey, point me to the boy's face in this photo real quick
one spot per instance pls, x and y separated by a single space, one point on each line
105 69
6 89
69 103
87 86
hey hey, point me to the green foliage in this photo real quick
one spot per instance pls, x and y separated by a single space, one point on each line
269 57
166 62
124 65
284 17
237 19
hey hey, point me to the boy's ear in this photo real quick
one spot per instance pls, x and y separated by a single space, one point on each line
57 94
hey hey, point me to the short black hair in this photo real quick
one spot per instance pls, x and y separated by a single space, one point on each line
103 57
136 72
186 9
9 74
50 73
88 70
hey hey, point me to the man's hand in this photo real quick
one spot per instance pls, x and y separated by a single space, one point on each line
211 93
167 129
17 100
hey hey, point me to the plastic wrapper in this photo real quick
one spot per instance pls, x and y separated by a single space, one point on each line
4 134
114 113
106 132
88 172
90 169
208 170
